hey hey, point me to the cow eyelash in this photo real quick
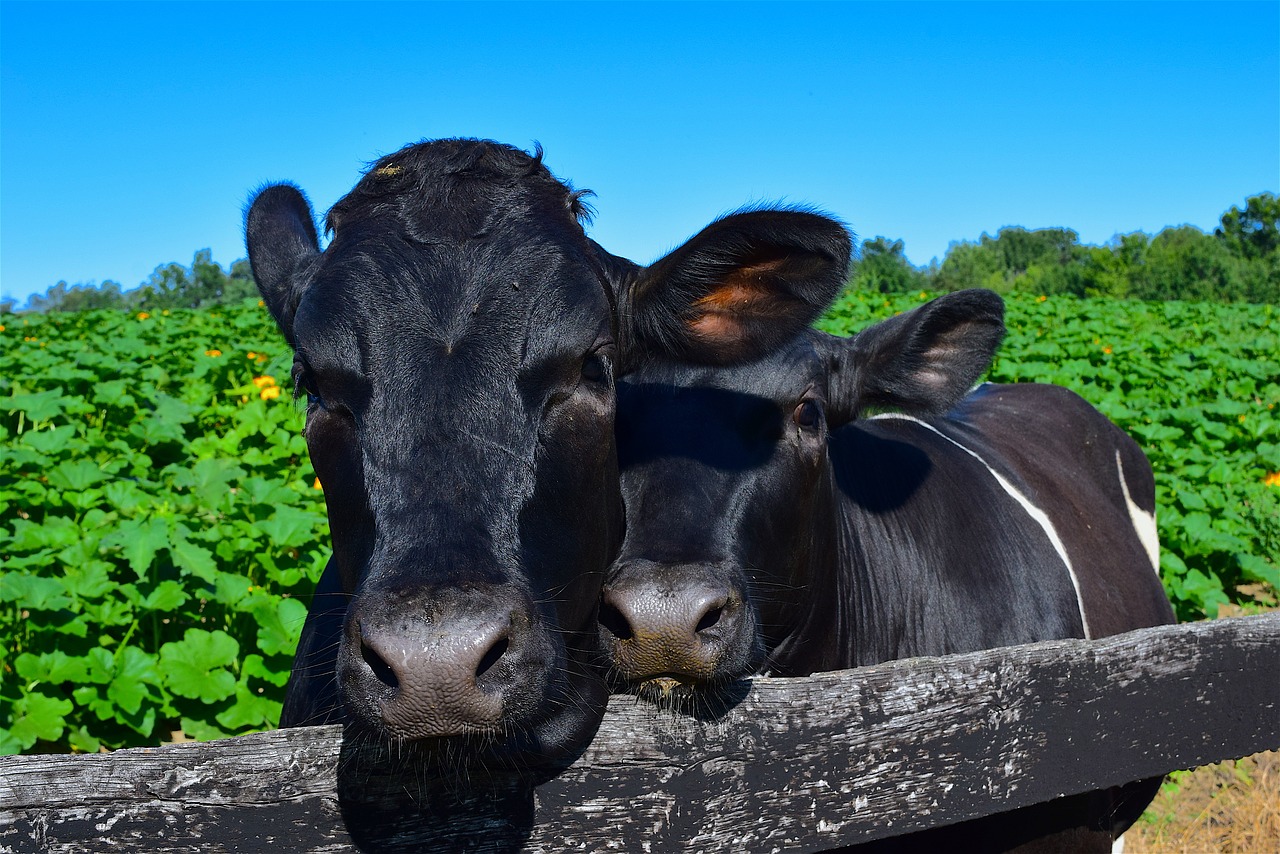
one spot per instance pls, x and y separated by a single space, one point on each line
596 367
300 387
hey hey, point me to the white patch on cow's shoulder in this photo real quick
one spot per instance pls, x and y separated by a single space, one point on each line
1117 847
1033 511
1144 523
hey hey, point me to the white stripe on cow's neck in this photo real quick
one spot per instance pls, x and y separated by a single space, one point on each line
1033 511
1144 523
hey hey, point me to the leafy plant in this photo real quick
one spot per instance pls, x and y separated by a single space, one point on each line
160 527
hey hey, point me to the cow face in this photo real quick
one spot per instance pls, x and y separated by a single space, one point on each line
728 487
458 344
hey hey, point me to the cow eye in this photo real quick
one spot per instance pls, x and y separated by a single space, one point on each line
302 385
806 414
595 367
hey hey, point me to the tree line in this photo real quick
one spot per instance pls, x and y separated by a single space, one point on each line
1238 262
172 285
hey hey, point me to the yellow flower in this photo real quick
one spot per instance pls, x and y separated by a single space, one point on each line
214 352
1272 479
1 327
264 381
261 303
251 356
271 392
1107 350
142 315
1241 418
317 485
1041 298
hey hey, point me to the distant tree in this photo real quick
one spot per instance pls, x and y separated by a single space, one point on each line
170 286
1252 233
79 297
1020 249
971 265
202 284
884 267
1185 263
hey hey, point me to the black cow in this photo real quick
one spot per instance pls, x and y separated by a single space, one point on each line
846 502
457 343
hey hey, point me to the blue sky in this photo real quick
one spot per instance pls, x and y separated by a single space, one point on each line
132 134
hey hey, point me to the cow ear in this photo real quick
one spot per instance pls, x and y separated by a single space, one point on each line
740 288
921 362
280 233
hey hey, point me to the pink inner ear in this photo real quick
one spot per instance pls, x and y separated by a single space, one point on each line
716 327
743 296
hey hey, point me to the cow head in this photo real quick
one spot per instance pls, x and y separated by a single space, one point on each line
727 484
458 343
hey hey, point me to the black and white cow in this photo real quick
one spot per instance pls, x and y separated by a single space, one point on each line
845 502
457 343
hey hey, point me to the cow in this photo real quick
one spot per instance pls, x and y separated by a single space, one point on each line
458 343
845 502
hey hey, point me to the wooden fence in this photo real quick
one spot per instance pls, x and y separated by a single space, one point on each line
797 764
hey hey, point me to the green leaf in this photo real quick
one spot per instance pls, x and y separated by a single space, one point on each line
135 670
280 625
57 532
53 667
1258 569
39 406
291 527
38 718
139 540
34 592
194 559
255 666
50 441
76 475
195 667
89 579
209 480
113 393
252 710
167 596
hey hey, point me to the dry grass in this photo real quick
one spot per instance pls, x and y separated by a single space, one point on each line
1231 807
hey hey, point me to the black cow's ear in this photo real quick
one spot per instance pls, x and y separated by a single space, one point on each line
280 234
740 288
921 362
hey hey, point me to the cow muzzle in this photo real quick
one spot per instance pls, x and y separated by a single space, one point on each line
665 626
421 666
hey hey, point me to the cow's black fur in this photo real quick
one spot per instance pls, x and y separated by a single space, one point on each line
458 343
775 524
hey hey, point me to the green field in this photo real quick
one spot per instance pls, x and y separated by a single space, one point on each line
161 526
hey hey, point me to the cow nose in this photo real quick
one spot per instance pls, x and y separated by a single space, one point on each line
443 675
665 626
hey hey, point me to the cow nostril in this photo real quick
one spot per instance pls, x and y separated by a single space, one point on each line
709 619
381 670
613 620
491 657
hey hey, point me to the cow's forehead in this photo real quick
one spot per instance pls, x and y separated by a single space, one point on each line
379 297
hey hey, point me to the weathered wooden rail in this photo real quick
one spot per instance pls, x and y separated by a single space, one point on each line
798 764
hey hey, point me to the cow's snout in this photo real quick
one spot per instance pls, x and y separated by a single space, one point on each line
453 665
689 623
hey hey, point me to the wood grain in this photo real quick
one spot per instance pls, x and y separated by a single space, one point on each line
796 764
